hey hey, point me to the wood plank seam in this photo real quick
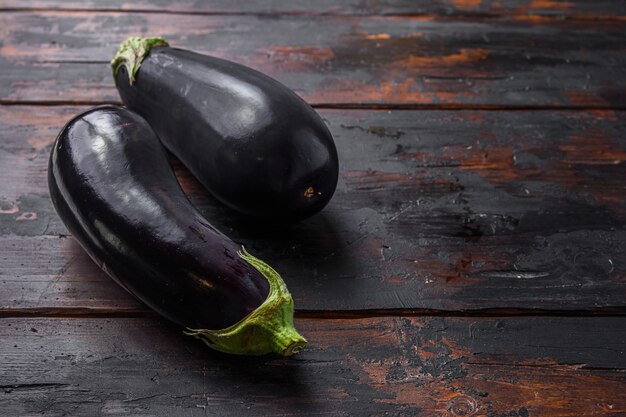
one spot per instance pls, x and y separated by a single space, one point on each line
440 17
90 312
358 106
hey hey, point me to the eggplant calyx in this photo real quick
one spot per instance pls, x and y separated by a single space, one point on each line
131 54
269 328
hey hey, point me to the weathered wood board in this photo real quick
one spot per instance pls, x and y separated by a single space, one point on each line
445 210
515 367
62 57
577 9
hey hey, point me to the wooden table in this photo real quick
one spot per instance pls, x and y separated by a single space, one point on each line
471 263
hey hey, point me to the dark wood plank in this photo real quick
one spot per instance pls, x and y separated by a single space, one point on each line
388 366
435 210
517 61
581 9
31 278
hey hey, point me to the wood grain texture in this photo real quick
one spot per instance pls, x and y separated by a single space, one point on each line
578 9
335 61
373 367
445 210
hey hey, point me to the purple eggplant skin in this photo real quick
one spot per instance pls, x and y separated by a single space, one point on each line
113 187
252 142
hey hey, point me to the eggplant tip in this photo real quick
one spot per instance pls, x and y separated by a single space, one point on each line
267 329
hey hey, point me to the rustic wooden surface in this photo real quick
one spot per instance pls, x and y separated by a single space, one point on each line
377 366
448 210
579 9
472 262
419 61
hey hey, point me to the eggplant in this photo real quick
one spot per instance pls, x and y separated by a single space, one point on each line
112 185
252 142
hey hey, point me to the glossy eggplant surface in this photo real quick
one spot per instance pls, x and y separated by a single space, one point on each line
113 187
251 141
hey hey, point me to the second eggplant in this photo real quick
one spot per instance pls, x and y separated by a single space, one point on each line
251 141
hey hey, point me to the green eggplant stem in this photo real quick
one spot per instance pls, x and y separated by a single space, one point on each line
269 328
131 54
